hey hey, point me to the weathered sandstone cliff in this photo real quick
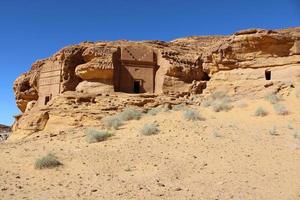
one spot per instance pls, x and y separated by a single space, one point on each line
186 66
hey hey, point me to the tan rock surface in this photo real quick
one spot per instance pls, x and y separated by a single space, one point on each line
187 66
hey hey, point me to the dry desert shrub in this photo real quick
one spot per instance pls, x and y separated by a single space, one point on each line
117 120
130 114
221 105
280 109
219 101
48 161
289 126
154 111
296 134
113 122
178 107
260 112
192 115
93 136
241 104
273 131
149 129
272 98
216 134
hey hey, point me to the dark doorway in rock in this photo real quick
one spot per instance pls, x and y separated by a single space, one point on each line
136 86
268 75
47 99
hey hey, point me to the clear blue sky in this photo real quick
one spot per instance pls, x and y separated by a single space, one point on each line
35 29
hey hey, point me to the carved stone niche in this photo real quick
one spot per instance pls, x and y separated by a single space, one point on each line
134 69
50 82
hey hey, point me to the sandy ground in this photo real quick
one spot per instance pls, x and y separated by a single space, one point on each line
230 155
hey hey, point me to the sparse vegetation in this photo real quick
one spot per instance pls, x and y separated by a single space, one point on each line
93 135
219 101
158 109
149 129
154 111
280 109
273 131
216 134
272 98
192 115
221 105
241 104
116 121
178 107
113 122
260 112
206 103
48 161
289 126
130 114
296 134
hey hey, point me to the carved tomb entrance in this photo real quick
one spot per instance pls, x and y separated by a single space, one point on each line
134 69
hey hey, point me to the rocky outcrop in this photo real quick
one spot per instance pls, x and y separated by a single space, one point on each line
238 64
253 48
92 62
186 66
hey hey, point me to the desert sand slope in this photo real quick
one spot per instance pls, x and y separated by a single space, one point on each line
230 155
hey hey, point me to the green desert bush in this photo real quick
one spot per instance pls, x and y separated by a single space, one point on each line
48 161
192 115
93 135
280 109
260 112
219 101
113 122
130 114
149 129
272 98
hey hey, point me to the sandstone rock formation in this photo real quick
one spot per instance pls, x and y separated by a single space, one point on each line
85 74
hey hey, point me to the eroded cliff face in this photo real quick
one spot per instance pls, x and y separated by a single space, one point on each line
191 65
253 48
91 64
238 64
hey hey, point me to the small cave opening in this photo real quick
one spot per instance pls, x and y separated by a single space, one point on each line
24 86
205 77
